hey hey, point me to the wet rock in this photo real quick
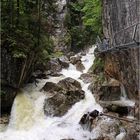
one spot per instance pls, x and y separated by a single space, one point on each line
7 97
86 77
37 75
54 73
132 132
70 84
49 86
110 93
64 61
118 107
75 59
80 66
70 54
61 96
121 110
86 120
83 53
137 110
4 120
54 66
106 128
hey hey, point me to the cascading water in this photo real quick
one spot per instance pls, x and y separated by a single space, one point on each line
28 121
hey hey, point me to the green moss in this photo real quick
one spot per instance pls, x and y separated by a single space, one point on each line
57 54
101 78
67 39
98 65
67 20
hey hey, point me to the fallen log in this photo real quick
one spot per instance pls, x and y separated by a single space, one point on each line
123 119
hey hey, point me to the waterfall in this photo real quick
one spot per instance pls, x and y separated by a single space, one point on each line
28 121
123 92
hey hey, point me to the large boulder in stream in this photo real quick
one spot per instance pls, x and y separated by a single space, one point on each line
55 65
64 61
80 66
61 96
86 77
75 59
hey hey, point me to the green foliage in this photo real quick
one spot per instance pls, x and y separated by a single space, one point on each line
98 65
23 27
84 22
57 54
92 15
99 79
79 36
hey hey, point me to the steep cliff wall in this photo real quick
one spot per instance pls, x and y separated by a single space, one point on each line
57 11
124 64
15 72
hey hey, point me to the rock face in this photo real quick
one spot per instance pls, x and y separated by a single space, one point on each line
57 11
106 93
122 65
119 21
61 96
14 73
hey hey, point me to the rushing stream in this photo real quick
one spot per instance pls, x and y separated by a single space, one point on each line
28 121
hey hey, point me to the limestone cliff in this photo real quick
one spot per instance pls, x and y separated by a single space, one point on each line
119 20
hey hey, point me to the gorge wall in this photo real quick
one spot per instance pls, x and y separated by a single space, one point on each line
15 72
119 20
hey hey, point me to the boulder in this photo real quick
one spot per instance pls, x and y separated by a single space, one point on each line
86 77
80 66
70 54
49 86
37 75
75 59
64 61
104 128
61 96
86 120
70 84
83 53
54 66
